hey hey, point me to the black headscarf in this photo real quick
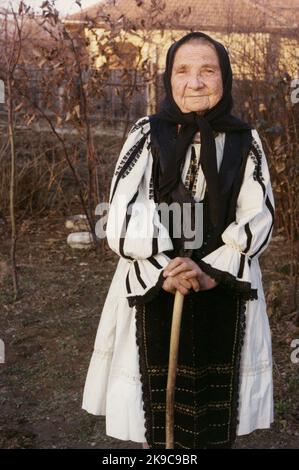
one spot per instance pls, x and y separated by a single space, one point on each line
172 147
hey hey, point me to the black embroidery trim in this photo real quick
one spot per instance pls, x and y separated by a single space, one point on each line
192 173
128 162
249 239
241 266
256 155
188 175
154 262
151 188
132 163
271 210
132 151
193 168
124 227
138 125
236 400
195 183
238 287
149 295
144 378
128 284
137 271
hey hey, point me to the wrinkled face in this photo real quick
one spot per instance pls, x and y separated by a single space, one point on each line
196 78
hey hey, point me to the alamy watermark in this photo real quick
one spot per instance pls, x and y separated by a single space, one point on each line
295 353
140 221
2 351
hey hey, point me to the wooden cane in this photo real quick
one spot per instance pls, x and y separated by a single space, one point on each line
172 367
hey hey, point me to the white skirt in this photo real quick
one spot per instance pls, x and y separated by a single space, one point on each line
113 387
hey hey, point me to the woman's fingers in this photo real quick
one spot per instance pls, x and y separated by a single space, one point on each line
183 290
195 284
179 265
168 285
177 262
188 280
184 282
187 275
190 274
171 284
191 277
173 264
182 285
179 269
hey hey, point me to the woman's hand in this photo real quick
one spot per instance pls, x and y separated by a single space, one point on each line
179 282
190 271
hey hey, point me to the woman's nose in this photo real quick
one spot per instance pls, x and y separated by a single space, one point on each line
195 81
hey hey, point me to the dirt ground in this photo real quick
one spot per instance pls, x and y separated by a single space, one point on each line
49 334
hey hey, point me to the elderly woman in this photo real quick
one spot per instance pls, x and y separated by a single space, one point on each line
193 151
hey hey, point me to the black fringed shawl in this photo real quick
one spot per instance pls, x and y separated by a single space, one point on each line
169 147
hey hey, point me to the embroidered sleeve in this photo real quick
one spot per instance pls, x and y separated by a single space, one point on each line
249 235
134 230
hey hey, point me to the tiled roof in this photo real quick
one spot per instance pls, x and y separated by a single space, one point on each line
212 15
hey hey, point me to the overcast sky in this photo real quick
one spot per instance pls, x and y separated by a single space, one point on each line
64 6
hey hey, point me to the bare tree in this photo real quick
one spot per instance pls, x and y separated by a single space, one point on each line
11 38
